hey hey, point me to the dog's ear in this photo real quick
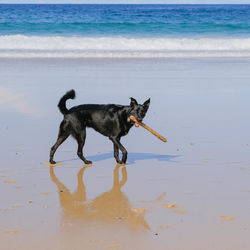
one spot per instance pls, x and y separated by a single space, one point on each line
133 102
146 104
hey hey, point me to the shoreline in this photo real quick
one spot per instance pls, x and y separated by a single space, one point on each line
189 193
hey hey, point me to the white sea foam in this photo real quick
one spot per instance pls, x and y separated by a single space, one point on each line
80 47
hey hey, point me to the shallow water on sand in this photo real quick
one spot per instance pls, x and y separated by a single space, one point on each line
190 193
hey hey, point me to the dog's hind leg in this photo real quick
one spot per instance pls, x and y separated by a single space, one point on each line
62 136
59 141
80 137
117 146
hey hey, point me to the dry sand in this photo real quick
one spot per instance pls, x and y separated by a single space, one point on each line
192 192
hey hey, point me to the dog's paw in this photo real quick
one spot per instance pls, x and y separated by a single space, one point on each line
87 162
121 162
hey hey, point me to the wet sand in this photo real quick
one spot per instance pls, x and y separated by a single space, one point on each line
192 192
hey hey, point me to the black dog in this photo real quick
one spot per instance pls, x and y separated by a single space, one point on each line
110 120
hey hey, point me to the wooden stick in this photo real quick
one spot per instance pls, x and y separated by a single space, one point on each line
148 128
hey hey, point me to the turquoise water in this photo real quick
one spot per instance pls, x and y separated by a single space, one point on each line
125 20
116 30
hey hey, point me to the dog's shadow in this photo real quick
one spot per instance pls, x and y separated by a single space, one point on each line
133 157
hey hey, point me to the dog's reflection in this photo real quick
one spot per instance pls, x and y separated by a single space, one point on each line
112 206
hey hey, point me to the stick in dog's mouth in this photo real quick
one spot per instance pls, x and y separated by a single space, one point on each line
137 124
132 118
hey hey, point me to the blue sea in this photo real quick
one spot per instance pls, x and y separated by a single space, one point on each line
145 31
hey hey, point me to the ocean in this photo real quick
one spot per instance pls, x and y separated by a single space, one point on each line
124 31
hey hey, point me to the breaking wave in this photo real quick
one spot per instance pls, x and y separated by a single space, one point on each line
112 47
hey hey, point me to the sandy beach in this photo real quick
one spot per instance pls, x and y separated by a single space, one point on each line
190 193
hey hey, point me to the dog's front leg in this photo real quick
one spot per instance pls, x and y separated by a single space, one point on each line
116 154
117 146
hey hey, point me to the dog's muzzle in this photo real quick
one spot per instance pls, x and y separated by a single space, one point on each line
135 123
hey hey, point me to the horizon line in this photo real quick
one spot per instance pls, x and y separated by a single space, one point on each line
41 3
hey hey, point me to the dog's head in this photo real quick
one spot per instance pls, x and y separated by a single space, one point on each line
138 110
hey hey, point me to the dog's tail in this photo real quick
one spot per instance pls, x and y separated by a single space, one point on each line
62 103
